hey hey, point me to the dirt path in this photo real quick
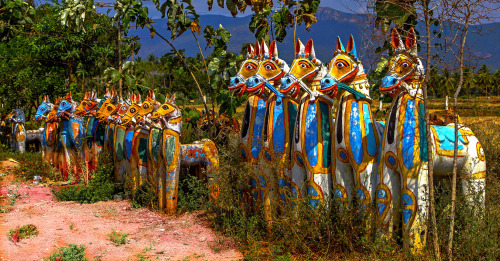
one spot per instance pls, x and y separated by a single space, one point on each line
151 235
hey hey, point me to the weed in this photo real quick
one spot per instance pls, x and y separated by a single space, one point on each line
71 253
12 197
71 226
118 238
193 194
23 232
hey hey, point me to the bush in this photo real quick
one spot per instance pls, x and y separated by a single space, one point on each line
101 186
193 194
70 253
23 232
118 238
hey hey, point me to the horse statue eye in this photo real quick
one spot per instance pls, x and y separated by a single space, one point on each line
303 66
406 65
249 67
109 108
340 65
132 110
165 107
145 106
268 67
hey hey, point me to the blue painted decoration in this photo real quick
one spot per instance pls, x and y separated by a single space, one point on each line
409 134
355 134
370 133
278 129
257 128
311 135
446 136
407 201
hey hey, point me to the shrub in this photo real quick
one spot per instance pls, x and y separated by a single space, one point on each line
118 238
101 186
23 232
70 253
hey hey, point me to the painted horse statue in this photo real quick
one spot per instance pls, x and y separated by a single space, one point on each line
404 159
17 138
50 130
357 135
93 131
313 130
70 135
278 124
253 116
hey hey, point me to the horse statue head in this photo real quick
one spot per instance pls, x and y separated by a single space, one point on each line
306 67
109 106
168 115
44 108
248 68
271 69
89 104
52 116
67 107
406 71
133 110
16 115
345 73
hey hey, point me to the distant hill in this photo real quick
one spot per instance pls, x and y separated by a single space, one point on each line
331 23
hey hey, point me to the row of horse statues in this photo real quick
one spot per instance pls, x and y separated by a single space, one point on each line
143 137
315 121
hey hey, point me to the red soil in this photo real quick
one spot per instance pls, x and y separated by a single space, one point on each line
151 234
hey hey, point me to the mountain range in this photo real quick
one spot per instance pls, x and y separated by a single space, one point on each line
330 24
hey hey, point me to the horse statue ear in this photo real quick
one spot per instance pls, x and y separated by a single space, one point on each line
250 51
340 46
351 47
273 49
153 97
411 42
396 41
299 47
264 50
68 96
257 50
309 50
172 99
167 97
139 100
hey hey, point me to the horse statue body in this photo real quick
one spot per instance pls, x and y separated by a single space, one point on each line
17 138
70 137
313 130
404 159
253 116
278 125
356 140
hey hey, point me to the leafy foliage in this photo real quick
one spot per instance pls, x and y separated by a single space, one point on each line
101 186
15 16
24 231
117 237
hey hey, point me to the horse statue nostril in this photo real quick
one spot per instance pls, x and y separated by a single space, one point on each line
327 81
394 81
256 80
236 81
288 81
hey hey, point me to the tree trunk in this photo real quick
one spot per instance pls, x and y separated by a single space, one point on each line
120 82
432 210
455 115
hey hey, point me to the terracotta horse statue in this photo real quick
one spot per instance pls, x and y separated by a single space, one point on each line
164 151
93 131
312 139
136 139
278 124
70 135
50 130
253 116
404 159
112 110
17 138
357 134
